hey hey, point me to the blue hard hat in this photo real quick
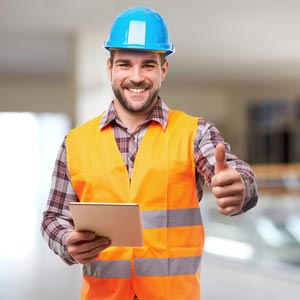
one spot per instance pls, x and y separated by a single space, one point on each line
140 28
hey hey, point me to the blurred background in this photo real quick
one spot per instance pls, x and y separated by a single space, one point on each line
237 63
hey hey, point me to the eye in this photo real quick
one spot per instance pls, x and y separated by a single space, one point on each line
123 65
149 66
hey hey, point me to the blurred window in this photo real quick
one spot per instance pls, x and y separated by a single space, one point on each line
29 145
274 132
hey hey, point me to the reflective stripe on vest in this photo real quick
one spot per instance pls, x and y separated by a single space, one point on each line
108 269
143 267
166 266
171 218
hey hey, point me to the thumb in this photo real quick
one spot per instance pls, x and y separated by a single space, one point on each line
220 155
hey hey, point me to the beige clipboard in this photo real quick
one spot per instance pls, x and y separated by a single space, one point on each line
121 222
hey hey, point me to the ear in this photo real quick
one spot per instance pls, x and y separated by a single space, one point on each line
109 69
164 68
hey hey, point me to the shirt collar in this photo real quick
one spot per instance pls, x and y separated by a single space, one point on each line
159 114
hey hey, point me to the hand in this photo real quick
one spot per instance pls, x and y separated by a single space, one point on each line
84 247
227 185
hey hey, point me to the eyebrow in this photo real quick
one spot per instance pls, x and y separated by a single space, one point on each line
122 60
151 61
146 61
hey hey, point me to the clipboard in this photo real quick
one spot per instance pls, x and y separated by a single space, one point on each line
121 222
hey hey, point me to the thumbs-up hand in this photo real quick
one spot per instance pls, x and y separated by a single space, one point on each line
227 185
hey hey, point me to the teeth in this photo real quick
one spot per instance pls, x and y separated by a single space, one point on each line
136 90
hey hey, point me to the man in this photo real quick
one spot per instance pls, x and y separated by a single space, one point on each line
141 151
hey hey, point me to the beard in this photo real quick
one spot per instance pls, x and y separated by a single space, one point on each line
127 105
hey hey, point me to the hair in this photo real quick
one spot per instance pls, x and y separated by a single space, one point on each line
162 56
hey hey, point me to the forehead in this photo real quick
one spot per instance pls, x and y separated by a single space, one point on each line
136 55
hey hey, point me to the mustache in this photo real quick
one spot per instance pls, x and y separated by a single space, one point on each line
141 85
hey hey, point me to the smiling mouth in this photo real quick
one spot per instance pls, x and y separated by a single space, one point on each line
137 91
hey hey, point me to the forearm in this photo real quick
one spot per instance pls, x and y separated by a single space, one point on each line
57 221
55 231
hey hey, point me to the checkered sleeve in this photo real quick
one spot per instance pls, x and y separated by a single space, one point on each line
57 222
207 138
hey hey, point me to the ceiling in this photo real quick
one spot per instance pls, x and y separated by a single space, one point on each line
217 41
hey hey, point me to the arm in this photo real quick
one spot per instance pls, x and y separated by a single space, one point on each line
232 180
57 224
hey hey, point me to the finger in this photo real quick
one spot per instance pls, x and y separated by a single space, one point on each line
87 251
229 211
87 257
85 261
93 251
86 246
229 201
91 255
76 237
225 189
99 242
227 177
220 156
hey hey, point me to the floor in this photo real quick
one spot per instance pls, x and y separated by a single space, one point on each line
41 275
225 280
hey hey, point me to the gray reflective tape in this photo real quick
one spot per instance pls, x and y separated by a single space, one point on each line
154 219
171 218
108 269
167 266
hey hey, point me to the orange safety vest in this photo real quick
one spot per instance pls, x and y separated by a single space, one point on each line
163 183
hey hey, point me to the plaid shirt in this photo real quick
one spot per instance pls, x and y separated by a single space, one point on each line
57 221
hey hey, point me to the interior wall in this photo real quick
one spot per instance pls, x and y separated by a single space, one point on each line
226 107
37 95
92 86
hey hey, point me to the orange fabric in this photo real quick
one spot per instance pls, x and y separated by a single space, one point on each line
163 178
184 287
106 288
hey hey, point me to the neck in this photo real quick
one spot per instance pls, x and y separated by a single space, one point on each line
132 119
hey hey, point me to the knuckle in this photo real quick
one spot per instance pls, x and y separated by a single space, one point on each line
216 191
221 203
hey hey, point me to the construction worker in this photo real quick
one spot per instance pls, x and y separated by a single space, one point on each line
141 151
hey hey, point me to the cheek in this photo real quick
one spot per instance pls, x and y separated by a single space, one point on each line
157 79
117 77
116 82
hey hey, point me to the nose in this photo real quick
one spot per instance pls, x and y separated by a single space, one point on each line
136 75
